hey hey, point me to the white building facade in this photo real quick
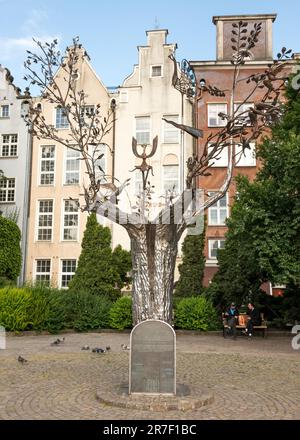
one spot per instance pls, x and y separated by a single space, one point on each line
15 158
145 98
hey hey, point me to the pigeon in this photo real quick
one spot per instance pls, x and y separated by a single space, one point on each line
107 348
58 341
85 347
22 360
98 350
125 347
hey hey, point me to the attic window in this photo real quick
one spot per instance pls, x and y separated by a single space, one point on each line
156 71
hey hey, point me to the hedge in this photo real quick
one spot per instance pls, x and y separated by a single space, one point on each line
196 313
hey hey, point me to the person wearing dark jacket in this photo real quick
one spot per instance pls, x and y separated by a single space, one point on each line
254 319
231 316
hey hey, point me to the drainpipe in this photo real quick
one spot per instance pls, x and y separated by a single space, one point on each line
113 106
26 212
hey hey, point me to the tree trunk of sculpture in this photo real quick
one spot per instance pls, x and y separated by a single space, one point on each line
154 251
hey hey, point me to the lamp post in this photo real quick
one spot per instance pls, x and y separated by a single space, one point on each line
186 84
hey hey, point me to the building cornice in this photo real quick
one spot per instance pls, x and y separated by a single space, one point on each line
216 18
227 64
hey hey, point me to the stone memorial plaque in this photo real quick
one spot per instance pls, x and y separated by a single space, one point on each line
152 358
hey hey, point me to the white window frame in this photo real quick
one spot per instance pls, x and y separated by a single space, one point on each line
66 273
38 213
138 182
7 189
98 150
164 180
84 111
210 247
2 111
170 128
222 162
71 227
217 208
123 97
51 159
65 171
55 120
11 144
242 107
137 131
246 159
161 70
219 122
42 273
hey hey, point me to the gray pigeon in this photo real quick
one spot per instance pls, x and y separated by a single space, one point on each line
22 360
98 350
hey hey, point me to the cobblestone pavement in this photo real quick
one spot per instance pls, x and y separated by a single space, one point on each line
250 379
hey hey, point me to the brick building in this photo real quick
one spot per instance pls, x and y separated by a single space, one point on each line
219 73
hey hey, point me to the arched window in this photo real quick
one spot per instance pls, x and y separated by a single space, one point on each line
170 173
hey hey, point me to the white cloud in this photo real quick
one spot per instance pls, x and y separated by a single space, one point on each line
13 48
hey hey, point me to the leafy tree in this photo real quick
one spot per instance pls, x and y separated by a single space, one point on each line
96 272
10 251
122 263
191 269
263 238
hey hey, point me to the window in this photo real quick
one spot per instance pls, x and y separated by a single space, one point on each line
171 133
214 119
217 213
245 158
98 154
45 220
123 96
70 219
47 164
156 71
9 147
213 246
68 268
86 113
171 178
170 174
241 109
42 272
222 158
61 120
72 165
7 190
138 182
4 111
142 130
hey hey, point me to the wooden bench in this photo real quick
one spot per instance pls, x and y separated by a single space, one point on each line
242 324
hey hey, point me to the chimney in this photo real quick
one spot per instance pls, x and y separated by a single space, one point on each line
263 51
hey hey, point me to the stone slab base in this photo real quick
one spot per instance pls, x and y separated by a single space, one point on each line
184 400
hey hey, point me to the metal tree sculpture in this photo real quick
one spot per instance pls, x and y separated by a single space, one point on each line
154 242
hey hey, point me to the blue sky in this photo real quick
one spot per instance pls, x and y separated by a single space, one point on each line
112 30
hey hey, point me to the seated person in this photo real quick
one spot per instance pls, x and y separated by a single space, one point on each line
231 316
254 319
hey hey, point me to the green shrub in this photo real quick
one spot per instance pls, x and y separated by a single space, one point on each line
86 311
41 308
120 314
15 307
56 315
196 313
10 251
